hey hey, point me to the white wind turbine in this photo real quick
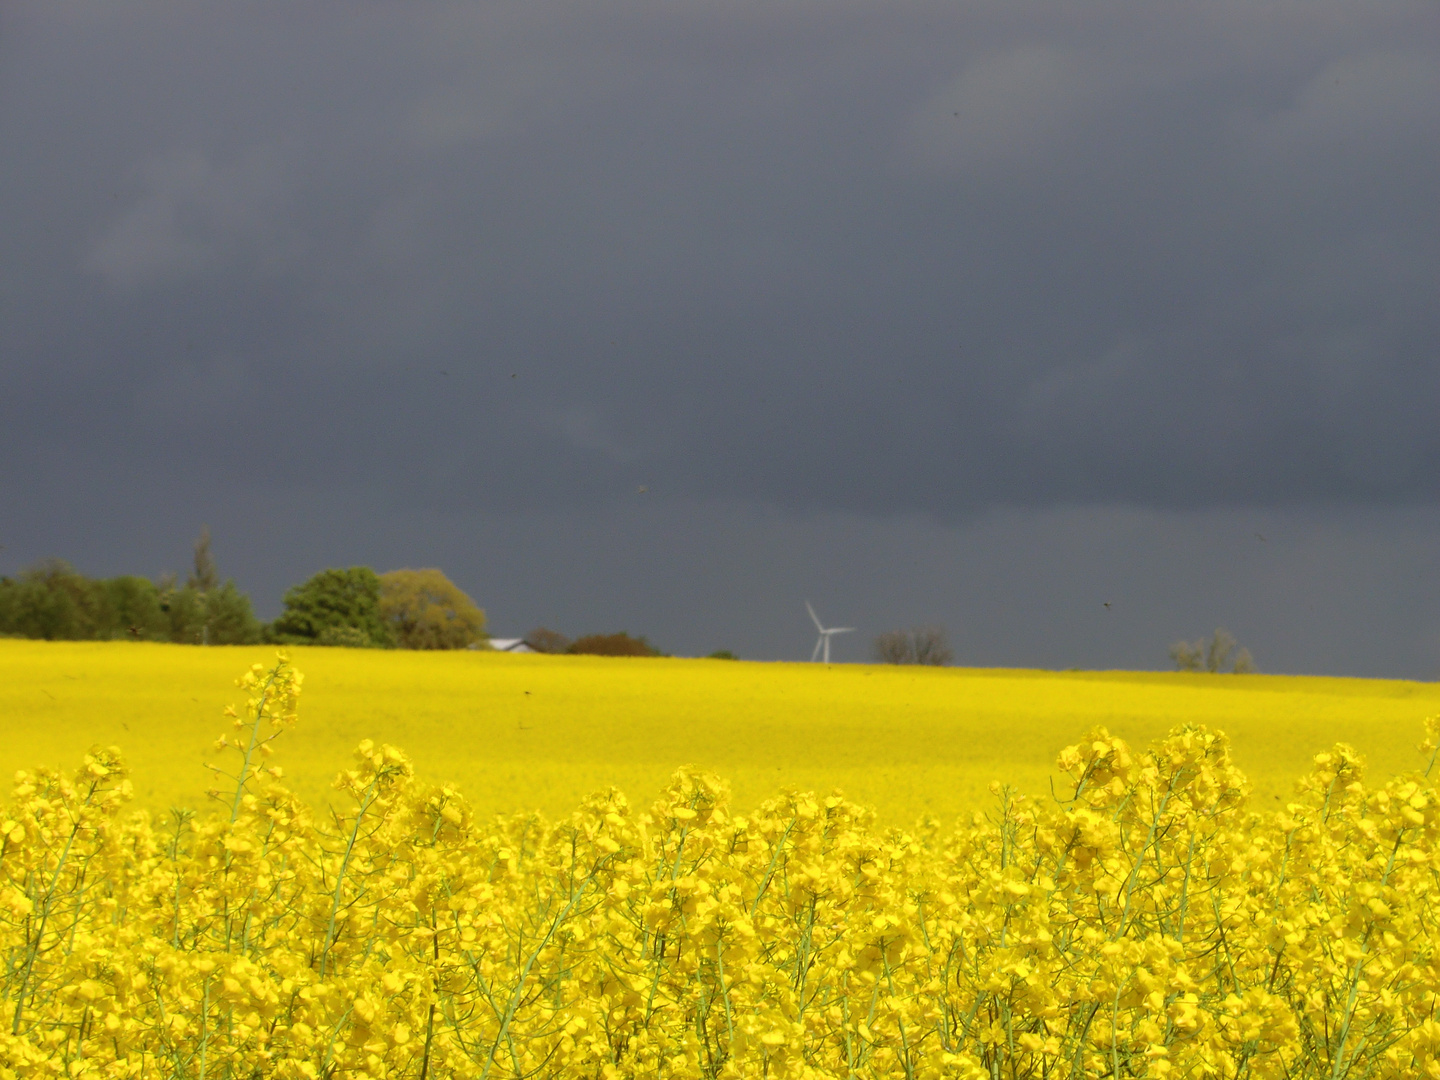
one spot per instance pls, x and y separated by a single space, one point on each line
822 643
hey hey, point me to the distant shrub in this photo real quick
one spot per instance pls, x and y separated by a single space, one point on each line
621 644
722 654
544 640
347 637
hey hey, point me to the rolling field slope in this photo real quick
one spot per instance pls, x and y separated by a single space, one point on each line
540 732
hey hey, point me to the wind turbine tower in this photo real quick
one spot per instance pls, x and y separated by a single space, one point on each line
822 643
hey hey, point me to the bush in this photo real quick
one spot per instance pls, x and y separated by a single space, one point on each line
544 640
722 654
345 637
621 644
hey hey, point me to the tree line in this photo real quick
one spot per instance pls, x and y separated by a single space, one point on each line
54 601
408 609
354 607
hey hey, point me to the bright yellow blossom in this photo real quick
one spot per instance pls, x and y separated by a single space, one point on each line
1148 923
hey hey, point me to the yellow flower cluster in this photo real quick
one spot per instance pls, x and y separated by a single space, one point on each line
1144 925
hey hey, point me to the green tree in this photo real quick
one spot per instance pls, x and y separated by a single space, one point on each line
426 610
229 618
335 607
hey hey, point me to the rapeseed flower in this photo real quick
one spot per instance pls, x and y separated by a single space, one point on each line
1148 923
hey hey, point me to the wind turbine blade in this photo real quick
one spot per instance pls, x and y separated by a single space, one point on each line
814 618
842 630
816 654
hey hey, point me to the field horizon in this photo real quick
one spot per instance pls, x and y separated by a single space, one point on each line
526 732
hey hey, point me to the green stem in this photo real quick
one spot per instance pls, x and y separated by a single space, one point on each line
33 949
265 689
365 804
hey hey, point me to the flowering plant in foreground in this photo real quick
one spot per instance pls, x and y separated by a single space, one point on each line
1145 925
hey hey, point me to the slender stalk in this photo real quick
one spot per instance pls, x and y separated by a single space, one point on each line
33 950
360 813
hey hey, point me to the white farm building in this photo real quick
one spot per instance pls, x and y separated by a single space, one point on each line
507 644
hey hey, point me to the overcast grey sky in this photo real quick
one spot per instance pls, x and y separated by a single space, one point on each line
976 313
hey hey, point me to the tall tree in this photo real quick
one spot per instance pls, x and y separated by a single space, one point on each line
426 610
205 576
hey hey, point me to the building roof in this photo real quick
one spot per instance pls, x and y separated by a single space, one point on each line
510 644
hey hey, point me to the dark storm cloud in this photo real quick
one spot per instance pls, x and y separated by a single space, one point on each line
862 257
976 313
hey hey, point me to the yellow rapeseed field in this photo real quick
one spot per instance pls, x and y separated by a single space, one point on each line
1146 921
538 732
